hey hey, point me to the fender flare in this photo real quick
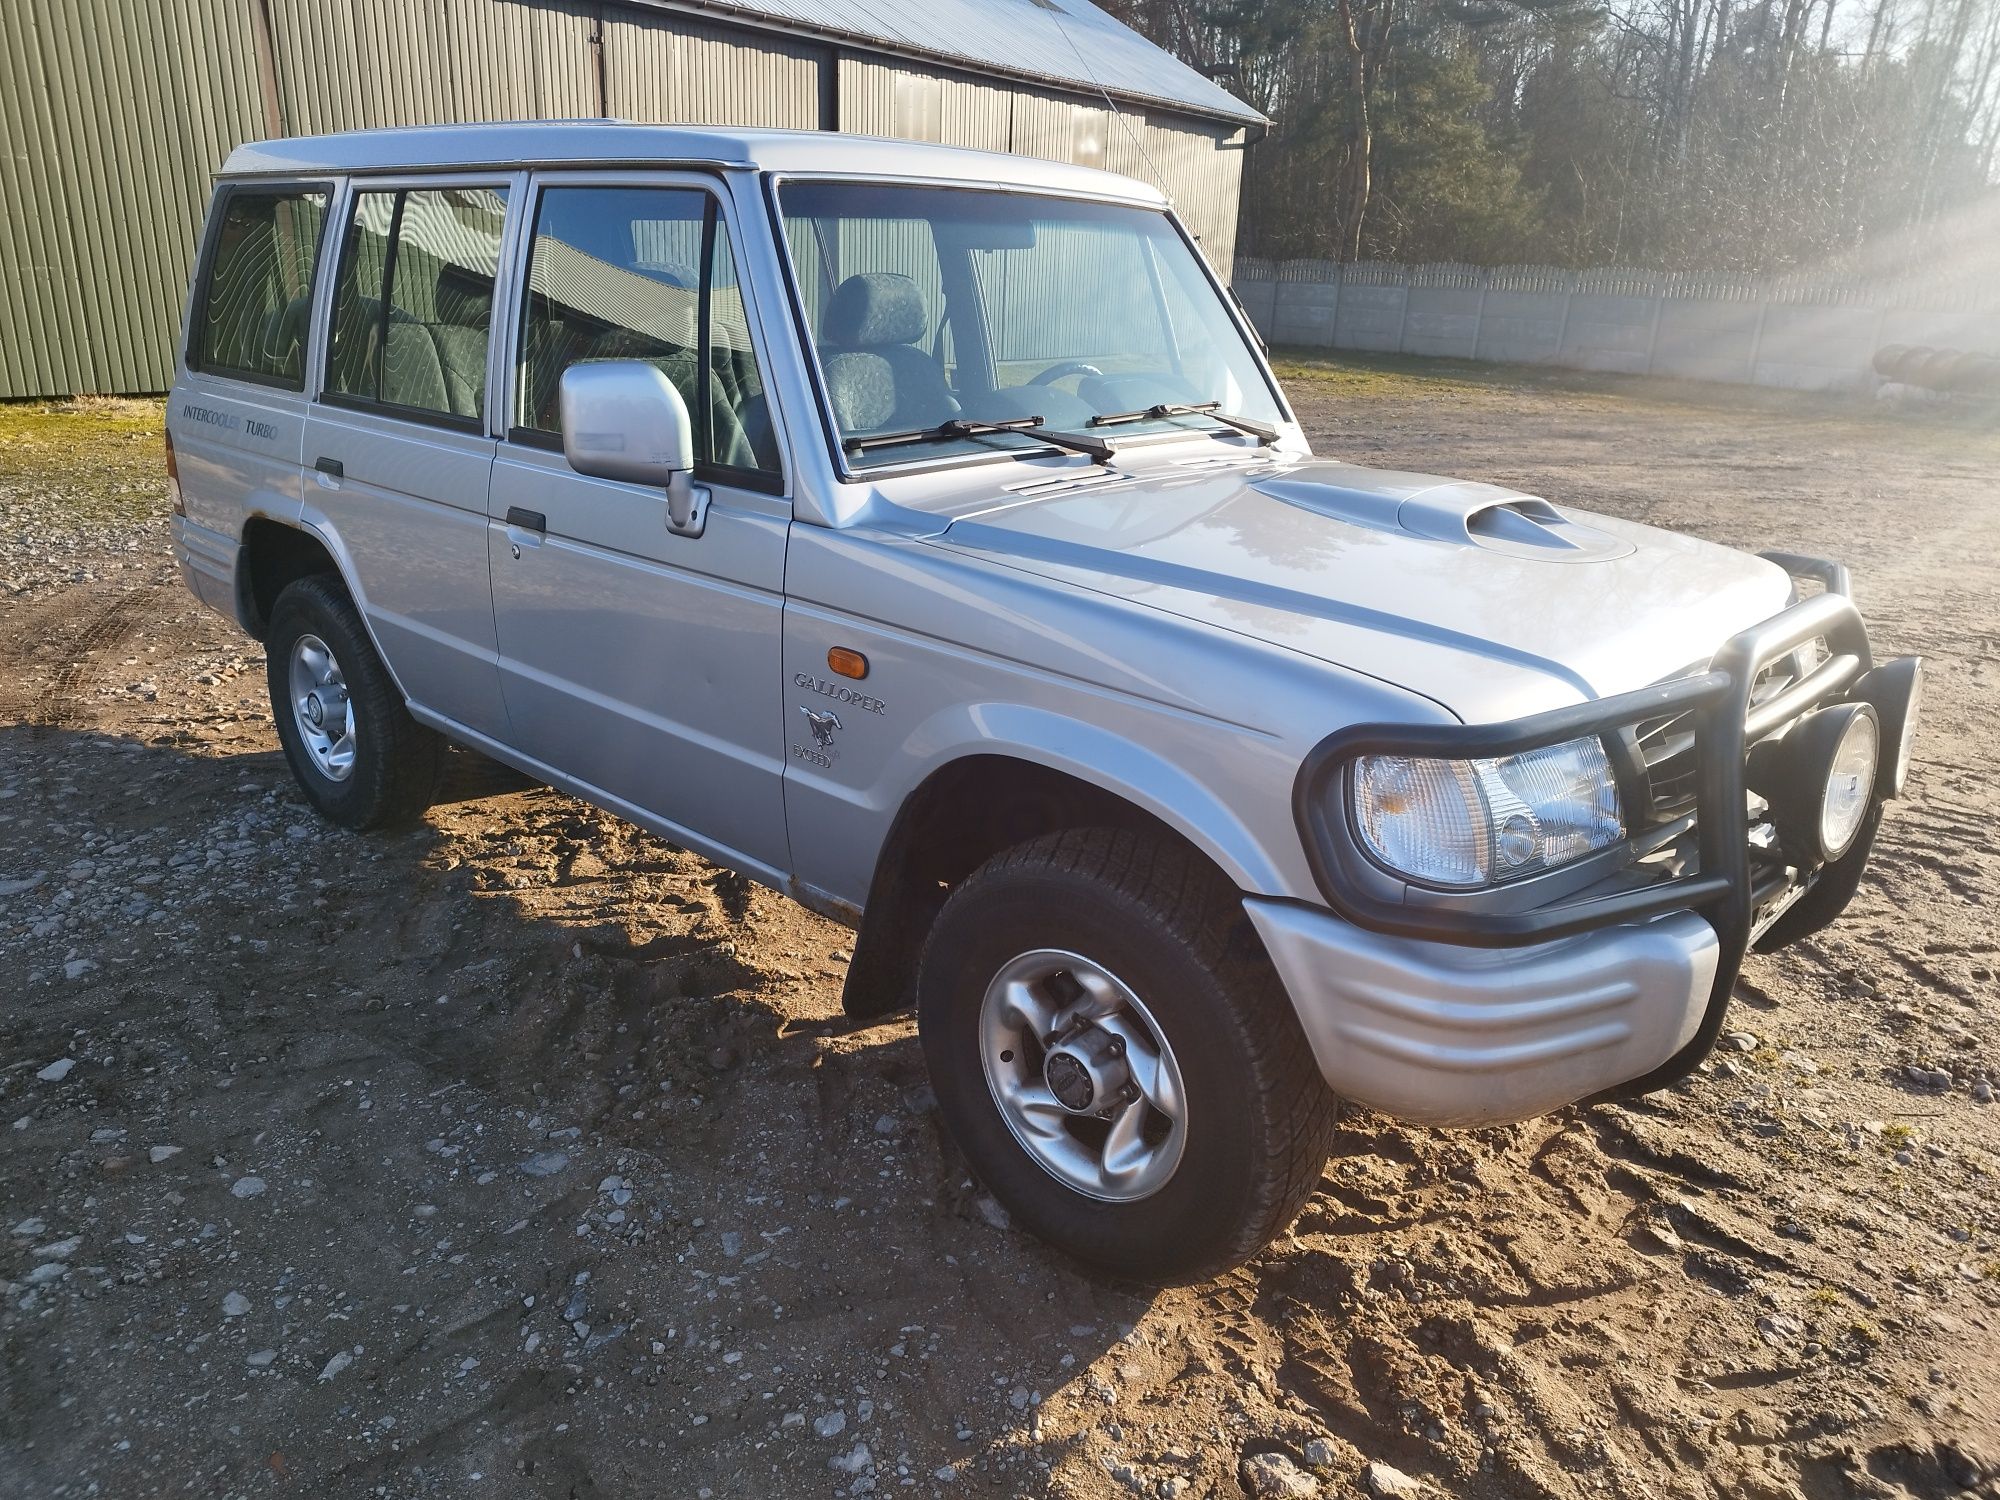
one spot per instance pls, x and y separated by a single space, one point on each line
317 525
1110 762
901 905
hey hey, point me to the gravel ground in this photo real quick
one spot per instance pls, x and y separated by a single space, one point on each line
525 1154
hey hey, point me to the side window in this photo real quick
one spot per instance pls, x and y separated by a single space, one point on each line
645 273
413 308
739 387
256 301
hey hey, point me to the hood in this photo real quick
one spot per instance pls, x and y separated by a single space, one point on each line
1491 602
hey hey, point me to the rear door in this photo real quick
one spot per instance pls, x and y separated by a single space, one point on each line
640 662
399 444
238 409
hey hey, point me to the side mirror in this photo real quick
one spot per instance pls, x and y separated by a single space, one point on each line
622 419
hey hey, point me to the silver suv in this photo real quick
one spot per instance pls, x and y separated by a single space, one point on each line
922 533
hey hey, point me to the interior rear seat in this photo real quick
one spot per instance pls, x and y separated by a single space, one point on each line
464 314
281 346
430 366
441 366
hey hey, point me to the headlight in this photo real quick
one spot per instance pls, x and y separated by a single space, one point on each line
1849 785
1478 822
1819 779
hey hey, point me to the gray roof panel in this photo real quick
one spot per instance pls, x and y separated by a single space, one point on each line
1068 43
529 143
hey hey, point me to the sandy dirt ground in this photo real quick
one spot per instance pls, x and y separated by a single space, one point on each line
525 1154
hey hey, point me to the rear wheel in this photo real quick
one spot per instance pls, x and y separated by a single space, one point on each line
352 745
1114 1055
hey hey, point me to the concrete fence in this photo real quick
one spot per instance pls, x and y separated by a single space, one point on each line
1804 333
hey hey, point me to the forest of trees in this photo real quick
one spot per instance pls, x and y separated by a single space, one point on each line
1715 135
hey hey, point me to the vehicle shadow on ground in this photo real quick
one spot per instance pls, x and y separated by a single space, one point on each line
518 978
206 827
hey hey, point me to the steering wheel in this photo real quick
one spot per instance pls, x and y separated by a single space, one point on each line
1068 367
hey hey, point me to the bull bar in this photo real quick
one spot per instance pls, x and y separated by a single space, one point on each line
1723 886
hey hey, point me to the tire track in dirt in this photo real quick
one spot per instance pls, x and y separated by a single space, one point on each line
78 652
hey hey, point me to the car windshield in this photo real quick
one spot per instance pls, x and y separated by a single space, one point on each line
946 319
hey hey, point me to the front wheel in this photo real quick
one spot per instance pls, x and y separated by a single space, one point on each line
1114 1055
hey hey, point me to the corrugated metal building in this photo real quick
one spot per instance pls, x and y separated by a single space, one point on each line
113 117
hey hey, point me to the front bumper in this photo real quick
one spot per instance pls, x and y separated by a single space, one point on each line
1444 1034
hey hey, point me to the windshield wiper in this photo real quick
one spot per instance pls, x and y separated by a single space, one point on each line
1264 432
965 427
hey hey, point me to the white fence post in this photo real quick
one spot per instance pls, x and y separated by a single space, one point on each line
1757 335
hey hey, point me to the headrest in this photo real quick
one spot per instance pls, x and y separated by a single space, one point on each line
874 309
464 298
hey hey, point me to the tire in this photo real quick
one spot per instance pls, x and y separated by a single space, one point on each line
1256 1120
384 772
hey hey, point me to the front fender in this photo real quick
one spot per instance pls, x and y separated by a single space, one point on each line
990 775
1145 774
1201 728
839 823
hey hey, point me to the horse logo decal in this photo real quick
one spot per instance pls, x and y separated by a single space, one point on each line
823 725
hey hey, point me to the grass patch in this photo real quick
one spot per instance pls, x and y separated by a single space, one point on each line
1389 375
1349 375
97 458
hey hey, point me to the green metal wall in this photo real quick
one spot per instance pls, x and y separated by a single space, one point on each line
104 177
1183 157
114 115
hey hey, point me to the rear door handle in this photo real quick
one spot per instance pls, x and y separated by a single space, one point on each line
527 520
333 468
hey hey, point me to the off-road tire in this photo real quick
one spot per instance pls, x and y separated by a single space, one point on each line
397 760
1260 1117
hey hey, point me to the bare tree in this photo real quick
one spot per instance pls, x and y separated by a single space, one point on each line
1749 135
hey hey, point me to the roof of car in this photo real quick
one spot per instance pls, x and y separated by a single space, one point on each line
528 143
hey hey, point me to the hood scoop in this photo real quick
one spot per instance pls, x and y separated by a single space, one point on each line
1468 514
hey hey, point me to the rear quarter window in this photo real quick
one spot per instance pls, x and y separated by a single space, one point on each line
254 303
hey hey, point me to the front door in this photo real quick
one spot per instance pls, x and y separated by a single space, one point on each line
397 448
638 662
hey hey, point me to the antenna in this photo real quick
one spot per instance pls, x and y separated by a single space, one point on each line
1159 177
